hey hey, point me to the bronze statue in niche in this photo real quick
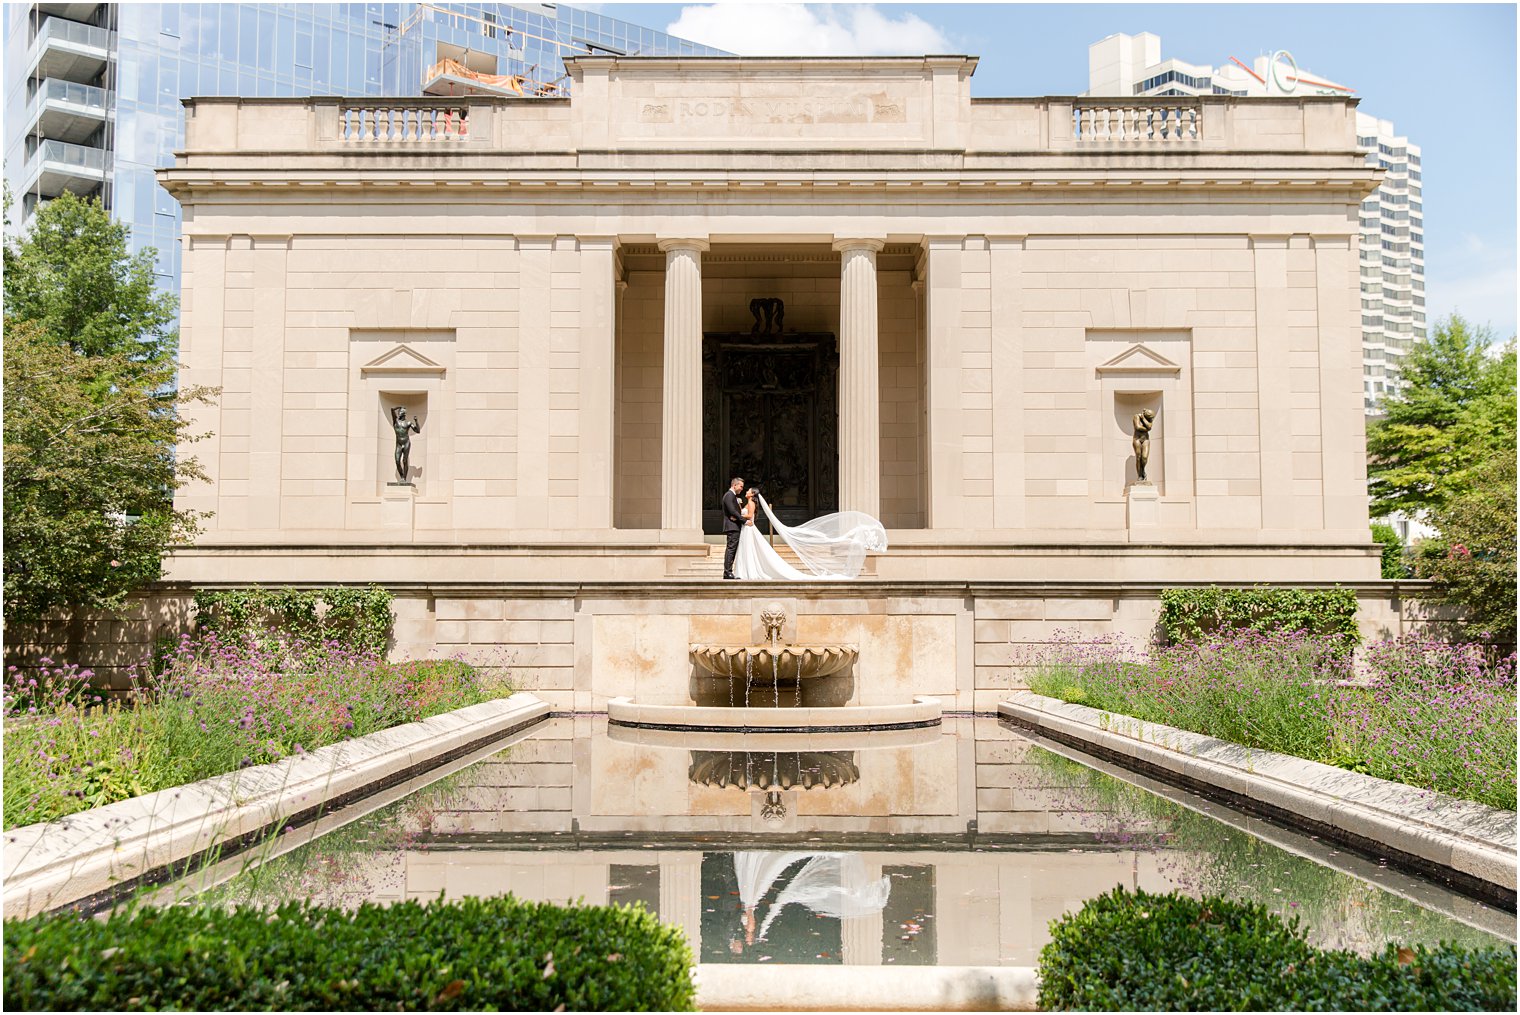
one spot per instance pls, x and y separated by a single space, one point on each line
1143 420
404 429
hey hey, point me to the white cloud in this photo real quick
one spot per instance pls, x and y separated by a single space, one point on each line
786 29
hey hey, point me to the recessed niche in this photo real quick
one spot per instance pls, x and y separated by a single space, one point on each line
416 405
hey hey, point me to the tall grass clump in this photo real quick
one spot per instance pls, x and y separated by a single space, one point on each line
1423 712
217 706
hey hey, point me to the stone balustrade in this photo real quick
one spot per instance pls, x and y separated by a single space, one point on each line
1169 121
403 122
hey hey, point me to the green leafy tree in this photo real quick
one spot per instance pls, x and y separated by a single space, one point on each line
1475 568
1393 550
91 416
72 277
1455 413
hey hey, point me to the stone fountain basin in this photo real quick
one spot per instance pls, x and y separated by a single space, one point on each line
924 711
767 662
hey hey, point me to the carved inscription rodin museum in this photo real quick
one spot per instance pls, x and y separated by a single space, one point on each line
1069 351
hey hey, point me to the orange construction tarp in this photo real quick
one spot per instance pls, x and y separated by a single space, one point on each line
454 68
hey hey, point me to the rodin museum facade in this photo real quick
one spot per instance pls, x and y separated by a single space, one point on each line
980 320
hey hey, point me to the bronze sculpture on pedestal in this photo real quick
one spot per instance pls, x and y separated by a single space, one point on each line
1143 420
404 429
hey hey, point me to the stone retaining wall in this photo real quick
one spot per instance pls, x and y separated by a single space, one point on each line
576 645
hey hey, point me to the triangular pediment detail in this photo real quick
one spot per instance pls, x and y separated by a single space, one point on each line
1139 359
403 359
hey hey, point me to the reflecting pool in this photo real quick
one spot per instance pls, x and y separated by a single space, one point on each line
954 845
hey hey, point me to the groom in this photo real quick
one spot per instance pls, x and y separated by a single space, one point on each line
733 524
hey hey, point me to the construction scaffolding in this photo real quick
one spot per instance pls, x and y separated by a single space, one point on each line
451 76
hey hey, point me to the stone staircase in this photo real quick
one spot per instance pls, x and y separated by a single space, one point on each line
711 566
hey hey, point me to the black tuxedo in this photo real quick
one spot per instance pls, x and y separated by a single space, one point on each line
733 525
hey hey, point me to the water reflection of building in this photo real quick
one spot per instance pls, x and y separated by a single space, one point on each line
947 849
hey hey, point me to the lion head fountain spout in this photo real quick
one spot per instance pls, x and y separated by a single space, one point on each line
773 617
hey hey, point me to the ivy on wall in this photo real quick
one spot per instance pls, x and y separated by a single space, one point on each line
1191 614
357 618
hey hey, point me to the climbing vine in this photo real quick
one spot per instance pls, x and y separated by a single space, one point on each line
1191 614
358 618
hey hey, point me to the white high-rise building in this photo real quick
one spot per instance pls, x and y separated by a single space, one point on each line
1392 218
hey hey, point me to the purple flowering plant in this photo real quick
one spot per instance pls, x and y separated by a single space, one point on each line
216 706
1415 709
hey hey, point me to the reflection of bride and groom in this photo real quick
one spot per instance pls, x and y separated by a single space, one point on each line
831 547
828 884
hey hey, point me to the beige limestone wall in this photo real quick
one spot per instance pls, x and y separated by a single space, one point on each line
117 647
640 365
504 342
1245 346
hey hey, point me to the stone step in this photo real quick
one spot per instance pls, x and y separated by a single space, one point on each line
711 566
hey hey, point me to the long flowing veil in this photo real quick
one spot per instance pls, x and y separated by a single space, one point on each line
832 546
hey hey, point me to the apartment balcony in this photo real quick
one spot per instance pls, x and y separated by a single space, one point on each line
74 12
68 111
58 166
70 51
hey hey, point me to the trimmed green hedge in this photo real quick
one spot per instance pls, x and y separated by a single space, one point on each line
1129 951
1194 614
473 954
357 618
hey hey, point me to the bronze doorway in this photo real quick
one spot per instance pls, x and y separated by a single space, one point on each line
770 414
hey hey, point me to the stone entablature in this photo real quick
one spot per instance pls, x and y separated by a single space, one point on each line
1014 279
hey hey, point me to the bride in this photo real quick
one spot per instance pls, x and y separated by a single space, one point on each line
831 547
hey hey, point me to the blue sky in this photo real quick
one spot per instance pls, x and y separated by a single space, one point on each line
1443 73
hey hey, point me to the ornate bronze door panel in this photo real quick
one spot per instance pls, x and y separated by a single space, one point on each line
770 414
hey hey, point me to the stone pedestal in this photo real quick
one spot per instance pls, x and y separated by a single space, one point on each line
681 413
1143 503
398 505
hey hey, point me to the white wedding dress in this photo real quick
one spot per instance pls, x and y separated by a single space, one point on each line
832 547
830 884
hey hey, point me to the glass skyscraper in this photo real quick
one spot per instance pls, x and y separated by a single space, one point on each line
92 91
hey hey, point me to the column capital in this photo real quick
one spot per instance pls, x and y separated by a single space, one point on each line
683 243
860 243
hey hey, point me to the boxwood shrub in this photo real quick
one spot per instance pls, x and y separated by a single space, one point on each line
475 954
1135 951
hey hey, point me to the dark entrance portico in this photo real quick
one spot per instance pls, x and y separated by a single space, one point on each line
770 414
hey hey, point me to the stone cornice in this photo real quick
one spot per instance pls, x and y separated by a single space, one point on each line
977 186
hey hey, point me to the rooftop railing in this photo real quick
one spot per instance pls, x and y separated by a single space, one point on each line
1148 121
401 122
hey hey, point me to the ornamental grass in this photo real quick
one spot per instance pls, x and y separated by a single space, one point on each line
1420 711
215 707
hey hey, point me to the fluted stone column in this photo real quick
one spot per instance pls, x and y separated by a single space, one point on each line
859 378
681 415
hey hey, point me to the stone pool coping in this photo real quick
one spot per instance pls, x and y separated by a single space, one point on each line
143 840
724 987
1469 842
